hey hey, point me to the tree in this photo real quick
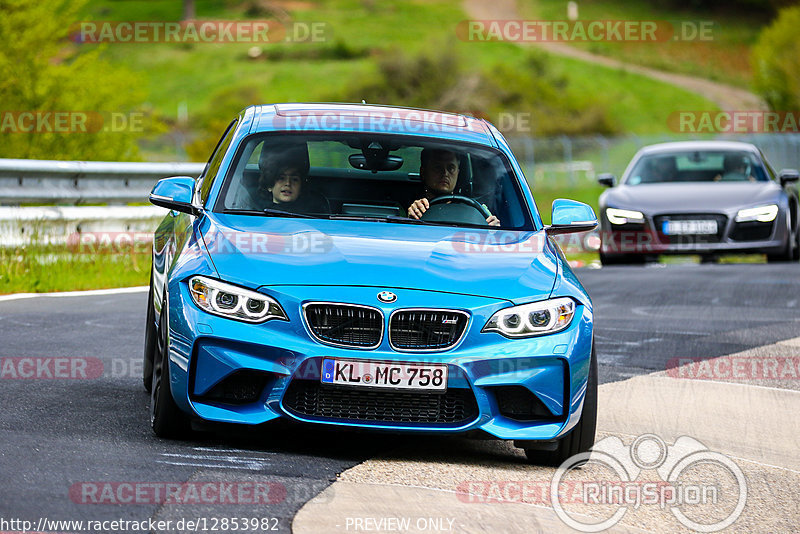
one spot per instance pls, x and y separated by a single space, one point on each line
188 10
776 62
42 71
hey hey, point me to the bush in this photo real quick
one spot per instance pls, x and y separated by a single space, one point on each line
776 62
766 7
212 122
41 71
532 91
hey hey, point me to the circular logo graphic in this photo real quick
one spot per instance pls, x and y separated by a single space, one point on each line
648 451
387 296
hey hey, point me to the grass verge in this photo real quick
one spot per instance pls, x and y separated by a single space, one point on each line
724 57
46 268
193 75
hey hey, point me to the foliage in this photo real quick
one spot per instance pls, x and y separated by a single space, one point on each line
41 268
213 120
776 62
540 100
41 71
743 6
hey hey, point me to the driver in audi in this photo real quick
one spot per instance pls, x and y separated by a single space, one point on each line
439 172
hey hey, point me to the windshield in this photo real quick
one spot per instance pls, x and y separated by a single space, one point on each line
372 176
698 166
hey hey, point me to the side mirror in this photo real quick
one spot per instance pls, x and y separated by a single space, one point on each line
607 179
571 216
175 193
788 175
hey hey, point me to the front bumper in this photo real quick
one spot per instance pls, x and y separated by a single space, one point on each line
731 237
275 363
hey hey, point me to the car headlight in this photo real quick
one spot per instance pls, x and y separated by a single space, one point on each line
761 214
617 216
234 302
537 318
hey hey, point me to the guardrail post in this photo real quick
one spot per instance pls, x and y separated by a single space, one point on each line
567 144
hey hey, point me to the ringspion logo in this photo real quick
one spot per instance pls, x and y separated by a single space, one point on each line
690 483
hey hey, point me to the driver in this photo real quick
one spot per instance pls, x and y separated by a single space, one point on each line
734 168
439 172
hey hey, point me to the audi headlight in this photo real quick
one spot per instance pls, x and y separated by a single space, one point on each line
617 216
234 302
761 214
535 319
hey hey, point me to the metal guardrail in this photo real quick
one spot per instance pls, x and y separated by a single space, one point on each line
78 182
57 224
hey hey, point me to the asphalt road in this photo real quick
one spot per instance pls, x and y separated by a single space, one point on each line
646 316
65 443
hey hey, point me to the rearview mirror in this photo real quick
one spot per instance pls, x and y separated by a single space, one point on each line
175 193
375 164
788 175
571 216
607 179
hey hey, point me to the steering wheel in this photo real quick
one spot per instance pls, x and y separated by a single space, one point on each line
440 215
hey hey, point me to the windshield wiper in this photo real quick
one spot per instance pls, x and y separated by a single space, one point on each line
346 217
269 212
387 219
408 220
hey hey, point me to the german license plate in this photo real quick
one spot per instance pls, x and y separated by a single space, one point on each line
689 227
384 374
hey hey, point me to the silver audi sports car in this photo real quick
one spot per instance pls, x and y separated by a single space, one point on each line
699 197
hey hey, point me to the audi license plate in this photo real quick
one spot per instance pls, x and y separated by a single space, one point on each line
384 374
689 227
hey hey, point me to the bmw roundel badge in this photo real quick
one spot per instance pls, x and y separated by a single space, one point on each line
387 296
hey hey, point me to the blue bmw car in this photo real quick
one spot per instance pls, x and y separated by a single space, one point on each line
369 267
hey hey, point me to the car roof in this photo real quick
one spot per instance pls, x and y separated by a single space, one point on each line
336 117
680 146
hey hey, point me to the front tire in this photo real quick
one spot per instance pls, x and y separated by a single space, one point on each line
786 255
792 250
149 341
581 437
166 419
622 259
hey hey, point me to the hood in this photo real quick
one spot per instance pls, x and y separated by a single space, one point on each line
271 251
691 196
